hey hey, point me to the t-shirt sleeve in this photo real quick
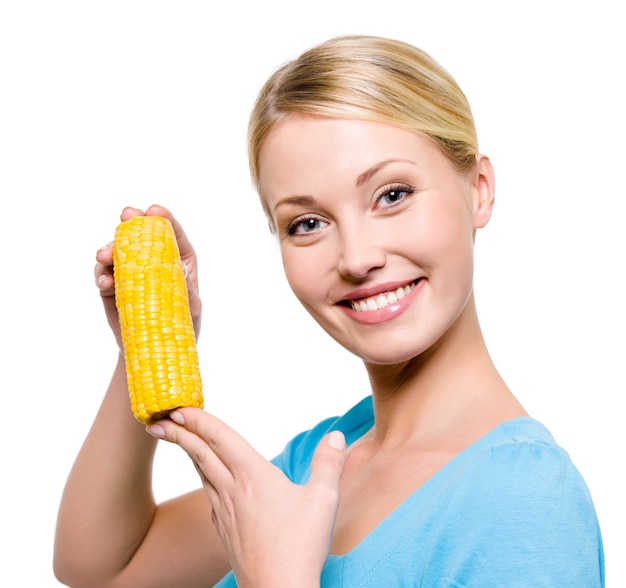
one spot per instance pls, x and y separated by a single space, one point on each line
295 458
521 516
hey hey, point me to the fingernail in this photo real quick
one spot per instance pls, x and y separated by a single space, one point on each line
101 279
156 431
177 418
337 440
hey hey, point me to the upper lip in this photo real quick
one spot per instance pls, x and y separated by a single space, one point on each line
375 290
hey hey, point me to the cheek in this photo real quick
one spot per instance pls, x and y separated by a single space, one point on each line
452 222
304 267
291 271
441 236
456 252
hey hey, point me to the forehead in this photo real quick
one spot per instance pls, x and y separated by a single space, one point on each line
301 146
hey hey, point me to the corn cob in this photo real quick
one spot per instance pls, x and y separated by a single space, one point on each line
153 308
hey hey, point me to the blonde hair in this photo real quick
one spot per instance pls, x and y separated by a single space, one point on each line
367 78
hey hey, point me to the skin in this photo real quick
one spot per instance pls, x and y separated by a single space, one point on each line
361 209
128 540
435 388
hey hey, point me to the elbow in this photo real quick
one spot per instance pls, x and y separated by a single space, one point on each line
62 565
71 570
61 573
68 574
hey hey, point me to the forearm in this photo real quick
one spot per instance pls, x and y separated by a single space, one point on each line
107 505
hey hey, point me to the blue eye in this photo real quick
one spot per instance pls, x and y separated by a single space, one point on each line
304 226
393 195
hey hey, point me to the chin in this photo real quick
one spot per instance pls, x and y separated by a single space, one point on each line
387 354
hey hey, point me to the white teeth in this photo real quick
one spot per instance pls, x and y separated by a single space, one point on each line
381 300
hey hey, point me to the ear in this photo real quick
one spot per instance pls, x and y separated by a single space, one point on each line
483 191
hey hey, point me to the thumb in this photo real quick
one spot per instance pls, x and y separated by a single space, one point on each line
328 461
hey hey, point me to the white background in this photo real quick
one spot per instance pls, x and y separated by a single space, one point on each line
104 104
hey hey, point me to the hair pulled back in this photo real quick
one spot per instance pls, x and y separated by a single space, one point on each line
367 78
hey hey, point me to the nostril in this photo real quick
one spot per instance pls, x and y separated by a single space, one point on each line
359 267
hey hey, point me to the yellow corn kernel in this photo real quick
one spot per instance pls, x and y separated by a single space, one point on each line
153 308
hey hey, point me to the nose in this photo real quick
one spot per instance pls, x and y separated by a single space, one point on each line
360 252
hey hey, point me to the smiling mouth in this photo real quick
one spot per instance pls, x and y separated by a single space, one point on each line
380 300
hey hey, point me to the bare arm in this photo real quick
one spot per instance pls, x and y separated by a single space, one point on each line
109 531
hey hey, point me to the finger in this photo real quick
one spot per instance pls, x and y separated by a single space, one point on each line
103 270
328 463
104 279
238 455
129 212
210 490
204 458
215 477
104 255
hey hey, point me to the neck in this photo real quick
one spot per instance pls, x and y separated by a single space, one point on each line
452 391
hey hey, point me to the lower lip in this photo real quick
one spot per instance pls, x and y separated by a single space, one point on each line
384 315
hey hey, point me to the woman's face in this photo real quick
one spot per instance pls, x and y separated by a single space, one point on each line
376 230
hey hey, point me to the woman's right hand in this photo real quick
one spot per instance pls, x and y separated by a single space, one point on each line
110 531
103 271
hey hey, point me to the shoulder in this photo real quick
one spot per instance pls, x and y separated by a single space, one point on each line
521 458
518 472
296 457
522 504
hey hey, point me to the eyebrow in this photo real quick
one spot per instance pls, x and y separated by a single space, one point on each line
368 173
360 180
294 201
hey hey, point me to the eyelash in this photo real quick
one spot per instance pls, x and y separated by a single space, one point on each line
398 188
292 227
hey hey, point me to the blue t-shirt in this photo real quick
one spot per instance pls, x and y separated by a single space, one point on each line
509 511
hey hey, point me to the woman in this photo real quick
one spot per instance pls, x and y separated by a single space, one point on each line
365 156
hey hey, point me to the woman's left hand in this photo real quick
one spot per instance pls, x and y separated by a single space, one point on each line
276 533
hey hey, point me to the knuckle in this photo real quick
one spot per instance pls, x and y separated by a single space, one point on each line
325 496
